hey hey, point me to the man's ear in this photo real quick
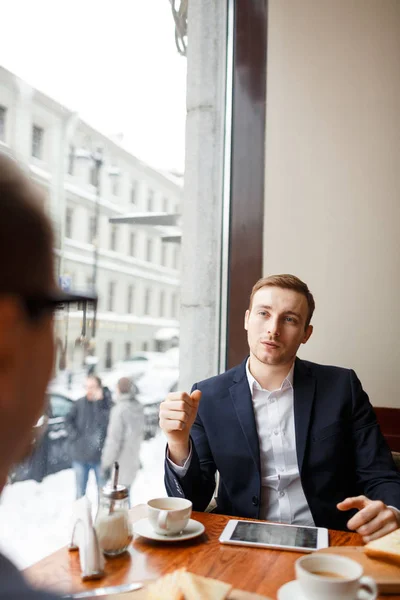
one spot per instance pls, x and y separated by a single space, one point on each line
307 334
246 319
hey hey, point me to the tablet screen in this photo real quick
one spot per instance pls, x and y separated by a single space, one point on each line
275 535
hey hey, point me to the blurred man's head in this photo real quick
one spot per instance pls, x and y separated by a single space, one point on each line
94 388
124 385
26 322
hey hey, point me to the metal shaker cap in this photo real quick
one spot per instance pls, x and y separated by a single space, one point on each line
118 492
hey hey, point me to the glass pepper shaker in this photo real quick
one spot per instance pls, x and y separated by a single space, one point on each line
112 525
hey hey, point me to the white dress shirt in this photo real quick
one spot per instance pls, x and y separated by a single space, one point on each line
282 496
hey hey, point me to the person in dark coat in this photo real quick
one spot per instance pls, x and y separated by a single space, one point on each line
87 426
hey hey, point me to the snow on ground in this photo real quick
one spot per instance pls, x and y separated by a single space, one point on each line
35 518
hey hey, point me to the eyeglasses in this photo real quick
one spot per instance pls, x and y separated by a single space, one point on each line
37 306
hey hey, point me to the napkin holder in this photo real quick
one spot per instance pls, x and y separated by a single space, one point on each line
84 539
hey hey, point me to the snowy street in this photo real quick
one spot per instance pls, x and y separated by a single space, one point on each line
35 517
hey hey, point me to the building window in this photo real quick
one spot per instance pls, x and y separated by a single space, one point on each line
111 296
164 254
71 160
165 205
89 284
3 114
130 303
113 237
132 244
145 346
68 222
128 350
114 184
149 249
108 361
150 201
92 229
176 257
147 301
133 192
93 174
174 307
162 303
37 141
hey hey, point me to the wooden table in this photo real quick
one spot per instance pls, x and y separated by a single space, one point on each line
255 570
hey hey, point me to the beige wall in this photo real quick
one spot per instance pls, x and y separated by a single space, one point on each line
332 206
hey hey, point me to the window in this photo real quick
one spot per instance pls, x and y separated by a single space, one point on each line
145 346
149 249
71 160
113 237
150 200
37 141
147 301
3 113
68 222
114 184
162 303
128 350
108 361
132 244
93 174
176 257
164 254
89 283
174 306
92 229
165 205
133 191
111 296
130 301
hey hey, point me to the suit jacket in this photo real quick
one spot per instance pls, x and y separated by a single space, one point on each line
340 449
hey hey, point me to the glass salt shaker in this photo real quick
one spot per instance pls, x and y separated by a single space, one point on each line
112 525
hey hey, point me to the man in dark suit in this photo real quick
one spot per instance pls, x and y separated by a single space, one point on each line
293 441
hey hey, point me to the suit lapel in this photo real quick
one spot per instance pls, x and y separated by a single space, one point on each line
243 404
304 394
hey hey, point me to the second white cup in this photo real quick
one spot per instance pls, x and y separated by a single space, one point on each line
330 577
169 516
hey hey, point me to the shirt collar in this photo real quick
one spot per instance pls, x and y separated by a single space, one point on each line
254 385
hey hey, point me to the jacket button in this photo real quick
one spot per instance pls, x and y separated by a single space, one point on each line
254 500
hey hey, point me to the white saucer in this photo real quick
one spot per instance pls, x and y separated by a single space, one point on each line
291 591
192 530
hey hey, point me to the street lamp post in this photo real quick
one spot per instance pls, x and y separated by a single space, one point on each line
97 158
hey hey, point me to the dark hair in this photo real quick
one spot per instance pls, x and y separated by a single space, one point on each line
96 379
26 238
286 282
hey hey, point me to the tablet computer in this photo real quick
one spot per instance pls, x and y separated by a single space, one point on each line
275 535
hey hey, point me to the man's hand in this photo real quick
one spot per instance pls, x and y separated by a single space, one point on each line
373 520
177 415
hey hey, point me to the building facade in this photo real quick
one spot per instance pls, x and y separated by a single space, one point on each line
137 274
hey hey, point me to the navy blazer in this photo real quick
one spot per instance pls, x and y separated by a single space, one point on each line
340 449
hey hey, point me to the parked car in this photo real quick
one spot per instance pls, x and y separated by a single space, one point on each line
52 453
153 386
134 368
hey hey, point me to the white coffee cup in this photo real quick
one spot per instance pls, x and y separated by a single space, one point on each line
330 577
169 516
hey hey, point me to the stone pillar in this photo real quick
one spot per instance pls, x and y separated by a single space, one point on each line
202 206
